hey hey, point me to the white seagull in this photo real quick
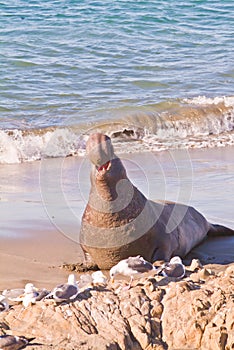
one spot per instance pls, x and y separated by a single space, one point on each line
65 292
85 281
4 306
13 294
132 266
98 278
30 295
13 342
173 268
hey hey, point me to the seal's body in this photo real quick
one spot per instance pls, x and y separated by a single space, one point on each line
119 221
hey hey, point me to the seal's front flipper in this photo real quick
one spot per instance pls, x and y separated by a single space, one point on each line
219 230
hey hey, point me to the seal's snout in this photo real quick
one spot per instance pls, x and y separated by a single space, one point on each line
100 151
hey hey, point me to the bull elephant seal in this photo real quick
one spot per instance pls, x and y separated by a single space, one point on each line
119 221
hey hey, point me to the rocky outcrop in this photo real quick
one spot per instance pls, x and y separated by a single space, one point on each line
196 312
199 314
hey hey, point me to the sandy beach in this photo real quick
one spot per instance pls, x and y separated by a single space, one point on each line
42 204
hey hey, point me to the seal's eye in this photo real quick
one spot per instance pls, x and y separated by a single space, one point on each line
105 166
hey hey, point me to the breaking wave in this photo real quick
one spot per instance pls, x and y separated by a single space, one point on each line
189 123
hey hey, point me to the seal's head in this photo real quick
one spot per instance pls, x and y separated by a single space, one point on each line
105 164
100 150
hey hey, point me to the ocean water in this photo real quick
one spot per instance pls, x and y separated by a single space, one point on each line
154 75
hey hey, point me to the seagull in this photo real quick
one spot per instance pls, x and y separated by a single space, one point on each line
85 281
13 294
132 266
173 268
11 342
4 306
30 295
98 278
65 292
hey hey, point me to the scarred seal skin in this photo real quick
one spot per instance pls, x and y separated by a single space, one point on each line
119 221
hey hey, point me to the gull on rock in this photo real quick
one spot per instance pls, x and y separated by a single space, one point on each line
30 295
65 292
98 278
11 342
173 268
133 266
13 294
27 296
4 306
85 282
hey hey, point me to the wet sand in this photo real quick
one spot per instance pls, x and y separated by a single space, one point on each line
42 204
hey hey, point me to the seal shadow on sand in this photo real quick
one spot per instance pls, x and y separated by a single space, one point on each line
213 250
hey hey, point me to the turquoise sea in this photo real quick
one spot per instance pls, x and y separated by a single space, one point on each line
157 73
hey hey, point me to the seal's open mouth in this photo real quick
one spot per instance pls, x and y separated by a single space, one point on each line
104 167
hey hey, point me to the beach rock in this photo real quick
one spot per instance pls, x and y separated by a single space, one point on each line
195 265
202 318
156 313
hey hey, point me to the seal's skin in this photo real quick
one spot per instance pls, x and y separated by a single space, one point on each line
119 221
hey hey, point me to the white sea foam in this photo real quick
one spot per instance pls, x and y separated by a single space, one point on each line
8 150
18 146
196 123
228 101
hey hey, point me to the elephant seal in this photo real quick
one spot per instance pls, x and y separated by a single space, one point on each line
119 221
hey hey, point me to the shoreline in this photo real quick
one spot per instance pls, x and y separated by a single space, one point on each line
40 223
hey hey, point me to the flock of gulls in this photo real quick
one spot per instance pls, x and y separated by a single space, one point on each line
132 267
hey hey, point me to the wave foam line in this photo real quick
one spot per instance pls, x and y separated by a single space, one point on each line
18 146
195 123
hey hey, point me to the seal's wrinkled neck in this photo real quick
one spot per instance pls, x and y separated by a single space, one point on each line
109 180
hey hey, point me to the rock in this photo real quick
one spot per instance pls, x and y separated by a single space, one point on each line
195 265
200 318
205 273
155 314
230 271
